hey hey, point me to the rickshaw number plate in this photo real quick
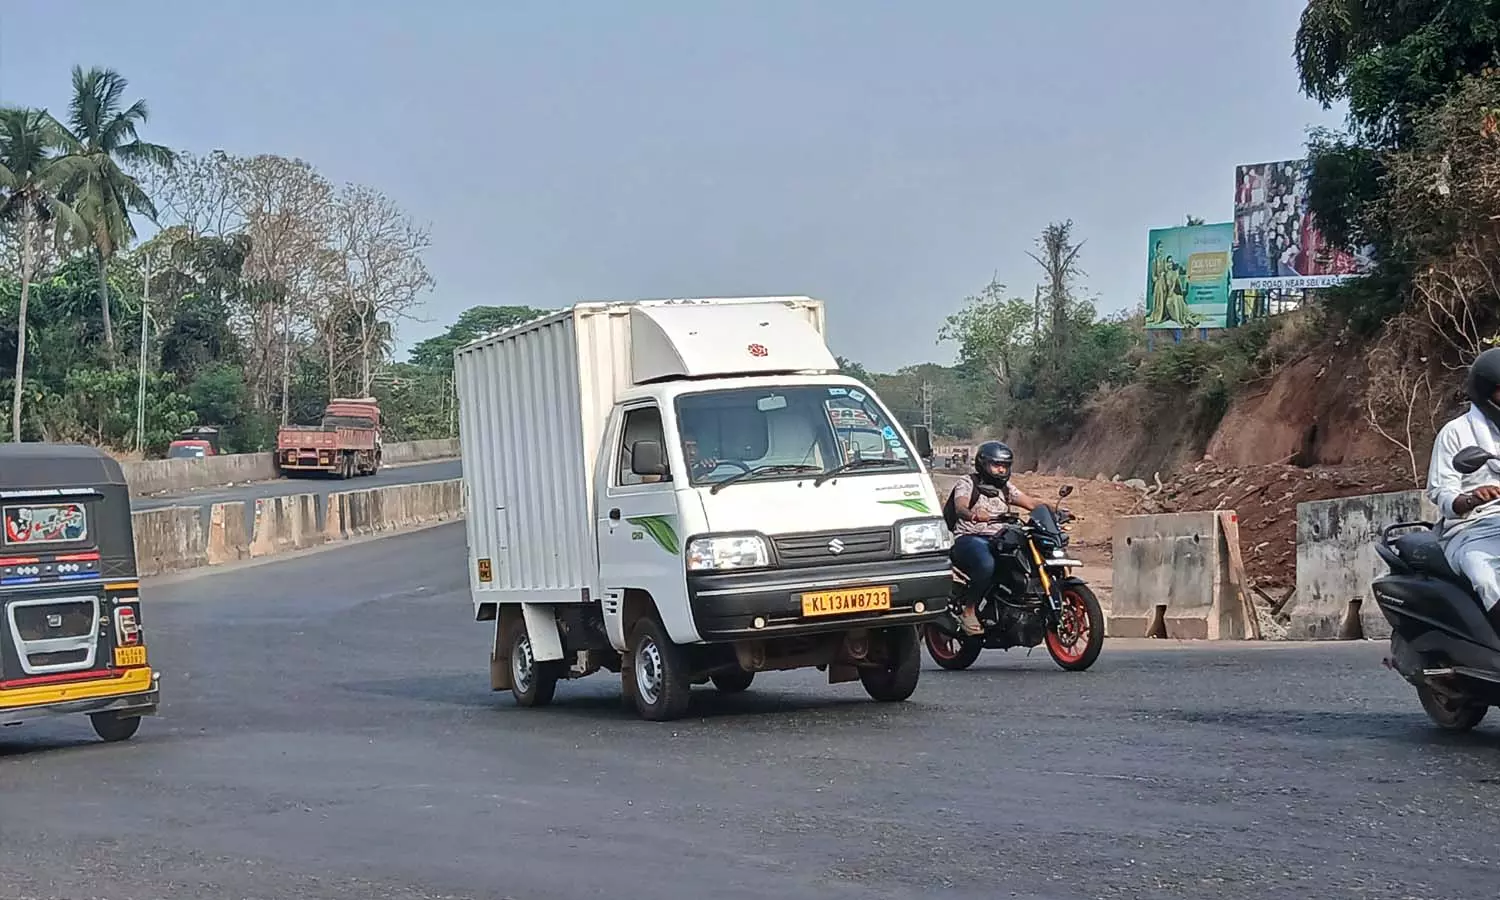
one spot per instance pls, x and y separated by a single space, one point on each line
130 656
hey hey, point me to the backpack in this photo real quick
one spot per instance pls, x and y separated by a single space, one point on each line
950 509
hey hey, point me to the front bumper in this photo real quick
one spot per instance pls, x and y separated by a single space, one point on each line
92 697
726 605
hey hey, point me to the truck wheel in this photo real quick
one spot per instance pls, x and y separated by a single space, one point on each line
112 728
662 690
532 683
732 682
896 679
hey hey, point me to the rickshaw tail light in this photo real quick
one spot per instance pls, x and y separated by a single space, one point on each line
127 631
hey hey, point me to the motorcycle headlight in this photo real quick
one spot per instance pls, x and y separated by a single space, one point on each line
741 551
929 536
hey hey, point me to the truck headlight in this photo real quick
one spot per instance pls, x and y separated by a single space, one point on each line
928 536
741 551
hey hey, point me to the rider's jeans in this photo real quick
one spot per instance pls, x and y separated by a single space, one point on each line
972 555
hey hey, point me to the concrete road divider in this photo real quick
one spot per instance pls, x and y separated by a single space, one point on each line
168 540
1172 579
1336 561
395 507
228 540
174 538
154 476
289 522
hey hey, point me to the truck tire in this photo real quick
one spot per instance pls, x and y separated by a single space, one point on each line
896 679
734 681
662 689
532 683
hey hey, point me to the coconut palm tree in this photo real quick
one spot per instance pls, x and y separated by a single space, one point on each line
32 179
102 135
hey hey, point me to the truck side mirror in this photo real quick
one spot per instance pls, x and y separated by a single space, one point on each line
646 458
923 440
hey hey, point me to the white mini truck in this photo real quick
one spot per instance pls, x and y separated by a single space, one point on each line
686 491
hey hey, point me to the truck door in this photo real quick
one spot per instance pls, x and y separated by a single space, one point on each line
638 528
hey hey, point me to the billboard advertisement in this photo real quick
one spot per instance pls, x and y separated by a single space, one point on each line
1187 285
1277 244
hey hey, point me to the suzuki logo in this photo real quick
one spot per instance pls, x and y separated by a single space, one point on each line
835 546
54 621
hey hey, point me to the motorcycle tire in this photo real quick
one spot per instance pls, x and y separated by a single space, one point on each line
1457 715
1080 608
952 653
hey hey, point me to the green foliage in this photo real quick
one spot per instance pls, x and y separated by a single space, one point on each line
436 353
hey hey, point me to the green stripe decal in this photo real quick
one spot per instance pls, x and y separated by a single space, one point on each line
662 529
915 504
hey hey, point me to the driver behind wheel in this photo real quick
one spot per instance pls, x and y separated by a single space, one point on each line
981 503
1471 517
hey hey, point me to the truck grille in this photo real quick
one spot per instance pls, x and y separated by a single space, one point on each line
54 635
832 547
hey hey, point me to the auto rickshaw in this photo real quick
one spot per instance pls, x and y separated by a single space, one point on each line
70 618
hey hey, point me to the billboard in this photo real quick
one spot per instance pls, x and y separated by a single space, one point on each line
1277 245
1187 281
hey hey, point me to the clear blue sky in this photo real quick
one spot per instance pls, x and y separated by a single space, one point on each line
885 157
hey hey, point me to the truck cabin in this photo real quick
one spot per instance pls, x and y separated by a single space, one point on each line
345 413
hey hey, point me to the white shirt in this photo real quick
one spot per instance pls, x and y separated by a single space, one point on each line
1445 483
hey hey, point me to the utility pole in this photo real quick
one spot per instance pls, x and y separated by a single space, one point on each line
927 405
140 396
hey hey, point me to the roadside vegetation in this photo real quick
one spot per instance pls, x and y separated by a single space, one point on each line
1413 173
262 290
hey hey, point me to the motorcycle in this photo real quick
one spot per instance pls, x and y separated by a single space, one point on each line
1442 642
1035 599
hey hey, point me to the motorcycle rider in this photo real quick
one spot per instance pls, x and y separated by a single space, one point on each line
1471 517
980 503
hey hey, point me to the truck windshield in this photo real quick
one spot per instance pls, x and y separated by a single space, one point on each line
812 428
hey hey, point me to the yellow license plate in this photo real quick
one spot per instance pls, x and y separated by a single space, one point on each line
852 600
130 656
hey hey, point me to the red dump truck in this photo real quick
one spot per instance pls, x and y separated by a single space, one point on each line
346 443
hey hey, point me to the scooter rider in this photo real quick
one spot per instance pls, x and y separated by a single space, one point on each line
981 503
1471 517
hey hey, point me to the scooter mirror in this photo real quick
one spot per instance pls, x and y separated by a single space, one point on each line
1470 460
1064 491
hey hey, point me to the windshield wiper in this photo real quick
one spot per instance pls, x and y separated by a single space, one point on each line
762 470
857 464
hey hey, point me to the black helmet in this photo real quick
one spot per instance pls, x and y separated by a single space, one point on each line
992 461
1484 378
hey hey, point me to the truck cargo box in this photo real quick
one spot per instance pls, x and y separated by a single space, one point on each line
534 401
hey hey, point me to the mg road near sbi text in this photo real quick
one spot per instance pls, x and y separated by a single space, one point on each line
71 639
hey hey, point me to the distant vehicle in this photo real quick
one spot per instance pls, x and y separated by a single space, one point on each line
195 443
663 489
346 443
71 642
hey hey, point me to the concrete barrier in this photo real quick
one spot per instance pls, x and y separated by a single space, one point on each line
168 540
395 507
174 538
419 451
1172 579
289 522
228 541
1336 561
154 476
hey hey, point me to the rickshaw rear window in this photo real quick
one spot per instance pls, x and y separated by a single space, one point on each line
36 524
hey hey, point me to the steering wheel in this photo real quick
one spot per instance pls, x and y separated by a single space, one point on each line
728 462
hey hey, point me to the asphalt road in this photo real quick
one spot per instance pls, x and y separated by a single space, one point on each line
440 470
328 732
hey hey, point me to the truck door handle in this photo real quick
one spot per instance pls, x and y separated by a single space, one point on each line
614 515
